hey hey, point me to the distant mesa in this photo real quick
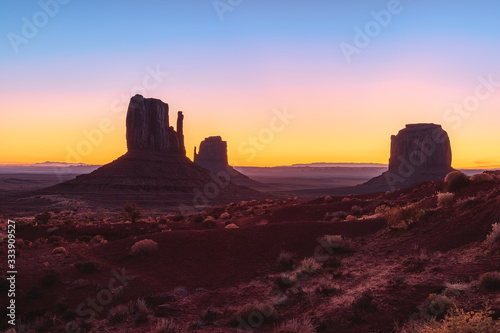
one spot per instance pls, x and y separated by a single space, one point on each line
155 168
212 156
419 152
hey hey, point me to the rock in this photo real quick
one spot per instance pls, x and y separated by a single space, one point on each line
422 147
148 127
212 156
155 170
419 153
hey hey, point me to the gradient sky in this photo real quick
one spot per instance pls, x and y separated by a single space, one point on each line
231 76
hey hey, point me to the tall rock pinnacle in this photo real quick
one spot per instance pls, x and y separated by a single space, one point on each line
148 127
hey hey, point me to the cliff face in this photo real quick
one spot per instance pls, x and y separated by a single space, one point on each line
423 146
213 157
213 154
148 127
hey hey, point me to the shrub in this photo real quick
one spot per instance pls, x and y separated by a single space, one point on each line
43 218
456 180
266 314
60 250
209 222
118 314
458 321
494 236
363 302
166 326
336 216
285 261
98 239
132 212
490 281
356 210
481 177
351 218
445 199
437 306
328 199
224 215
209 316
402 217
231 226
335 243
197 218
309 266
296 326
144 247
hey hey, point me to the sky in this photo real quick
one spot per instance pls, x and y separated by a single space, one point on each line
282 81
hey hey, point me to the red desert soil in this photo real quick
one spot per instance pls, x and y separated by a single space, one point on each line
227 268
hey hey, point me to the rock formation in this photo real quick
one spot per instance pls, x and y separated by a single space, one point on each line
213 156
148 127
419 152
423 146
155 170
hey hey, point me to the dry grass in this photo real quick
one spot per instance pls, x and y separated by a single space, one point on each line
309 266
166 326
445 199
458 321
144 247
118 314
266 314
494 236
296 326
403 217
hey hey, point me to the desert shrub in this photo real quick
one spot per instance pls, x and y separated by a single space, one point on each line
327 288
231 226
346 199
309 266
456 180
118 314
198 218
224 215
296 326
351 218
481 177
445 199
265 313
131 212
458 321
336 216
144 247
166 326
356 210
60 250
43 218
437 306
494 236
98 239
490 281
49 278
285 261
140 310
335 243
328 199
402 217
209 222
